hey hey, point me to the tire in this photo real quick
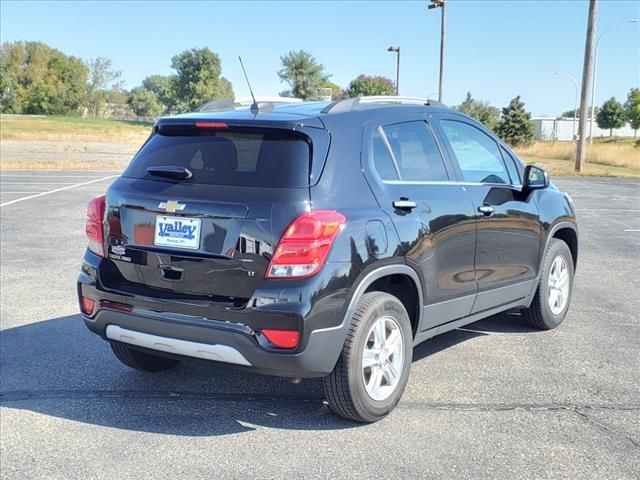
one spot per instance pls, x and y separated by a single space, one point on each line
540 313
141 360
346 388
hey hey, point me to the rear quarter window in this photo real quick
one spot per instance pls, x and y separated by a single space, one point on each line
243 158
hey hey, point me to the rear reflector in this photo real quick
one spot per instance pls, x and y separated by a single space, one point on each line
94 228
282 338
123 307
211 125
86 304
305 245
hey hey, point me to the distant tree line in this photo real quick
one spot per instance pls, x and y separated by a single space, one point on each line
38 79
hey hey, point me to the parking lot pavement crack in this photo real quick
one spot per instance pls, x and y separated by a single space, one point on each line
606 428
532 407
73 394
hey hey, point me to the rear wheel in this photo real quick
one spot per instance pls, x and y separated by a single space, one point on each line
551 302
141 360
373 368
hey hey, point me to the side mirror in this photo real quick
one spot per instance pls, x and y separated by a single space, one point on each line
535 178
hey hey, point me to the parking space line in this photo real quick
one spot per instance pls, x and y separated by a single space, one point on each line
3 192
37 183
23 175
68 187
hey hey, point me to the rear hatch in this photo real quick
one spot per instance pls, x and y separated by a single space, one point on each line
200 209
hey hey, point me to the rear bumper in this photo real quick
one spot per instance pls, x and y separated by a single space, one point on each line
218 344
231 336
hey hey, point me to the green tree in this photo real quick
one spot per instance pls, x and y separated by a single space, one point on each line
632 109
163 87
303 73
569 113
515 126
611 115
198 79
367 85
144 103
103 80
481 111
35 78
337 92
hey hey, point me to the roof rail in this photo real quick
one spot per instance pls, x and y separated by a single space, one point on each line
350 104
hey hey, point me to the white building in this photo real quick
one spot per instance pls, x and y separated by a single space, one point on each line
552 128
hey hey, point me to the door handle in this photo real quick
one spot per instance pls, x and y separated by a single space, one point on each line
486 210
404 204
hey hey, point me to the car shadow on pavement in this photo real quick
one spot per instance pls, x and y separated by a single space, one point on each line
58 368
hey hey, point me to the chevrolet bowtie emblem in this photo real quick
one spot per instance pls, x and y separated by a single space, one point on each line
172 206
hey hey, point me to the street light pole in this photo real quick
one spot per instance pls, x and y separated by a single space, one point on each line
441 4
397 50
575 109
595 72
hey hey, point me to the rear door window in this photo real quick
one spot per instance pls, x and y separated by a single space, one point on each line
243 158
407 152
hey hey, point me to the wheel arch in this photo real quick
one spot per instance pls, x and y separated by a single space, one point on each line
393 279
568 233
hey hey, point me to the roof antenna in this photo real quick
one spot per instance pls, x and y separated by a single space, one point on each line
255 108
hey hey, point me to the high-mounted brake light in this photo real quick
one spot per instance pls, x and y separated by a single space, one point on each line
304 247
211 125
94 228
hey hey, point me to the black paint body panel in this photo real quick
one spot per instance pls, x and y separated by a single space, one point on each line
463 264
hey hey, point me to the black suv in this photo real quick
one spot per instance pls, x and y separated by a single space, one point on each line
321 240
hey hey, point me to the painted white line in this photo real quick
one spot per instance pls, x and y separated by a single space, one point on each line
37 183
608 210
56 190
632 230
4 175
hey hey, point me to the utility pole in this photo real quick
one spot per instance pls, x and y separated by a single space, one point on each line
587 72
397 50
441 4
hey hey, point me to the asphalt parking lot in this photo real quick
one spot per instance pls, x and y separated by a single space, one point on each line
493 400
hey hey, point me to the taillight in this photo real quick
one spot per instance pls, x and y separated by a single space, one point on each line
94 228
87 304
282 338
304 247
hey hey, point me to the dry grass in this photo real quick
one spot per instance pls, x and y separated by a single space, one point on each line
613 154
72 129
560 167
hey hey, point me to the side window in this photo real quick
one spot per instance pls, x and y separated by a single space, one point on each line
511 167
382 159
414 153
477 153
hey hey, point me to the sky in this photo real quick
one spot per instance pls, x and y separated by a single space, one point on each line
495 49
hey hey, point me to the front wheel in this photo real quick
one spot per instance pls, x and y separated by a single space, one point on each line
373 368
553 296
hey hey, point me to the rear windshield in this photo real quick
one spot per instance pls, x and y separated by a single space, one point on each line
243 158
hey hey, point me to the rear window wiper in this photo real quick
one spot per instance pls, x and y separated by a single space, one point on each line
170 171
